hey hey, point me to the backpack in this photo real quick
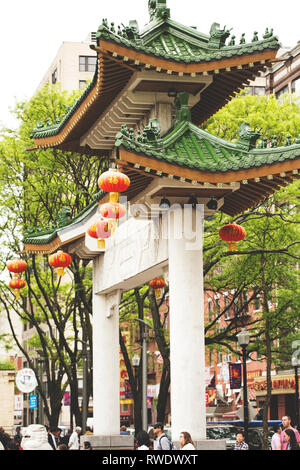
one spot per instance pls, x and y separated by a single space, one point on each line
172 447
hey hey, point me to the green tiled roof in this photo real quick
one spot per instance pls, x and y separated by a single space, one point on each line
173 41
43 130
43 237
191 147
167 39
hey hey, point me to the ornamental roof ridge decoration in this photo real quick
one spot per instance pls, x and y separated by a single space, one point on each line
163 46
171 40
50 232
186 145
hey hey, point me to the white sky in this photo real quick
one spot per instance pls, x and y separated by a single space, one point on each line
31 31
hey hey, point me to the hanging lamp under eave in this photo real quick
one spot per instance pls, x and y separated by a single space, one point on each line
17 284
60 260
232 233
113 182
103 232
17 266
157 285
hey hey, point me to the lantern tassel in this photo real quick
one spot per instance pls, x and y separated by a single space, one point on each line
60 272
157 293
232 246
113 197
17 293
101 244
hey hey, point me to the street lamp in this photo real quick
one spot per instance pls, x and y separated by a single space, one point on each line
296 365
135 361
144 372
243 340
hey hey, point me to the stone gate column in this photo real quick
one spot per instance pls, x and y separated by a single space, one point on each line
106 369
187 351
106 365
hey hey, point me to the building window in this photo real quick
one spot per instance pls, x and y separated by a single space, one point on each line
283 90
211 357
220 357
227 312
218 307
87 63
257 302
255 90
296 86
82 84
259 90
54 77
245 301
209 303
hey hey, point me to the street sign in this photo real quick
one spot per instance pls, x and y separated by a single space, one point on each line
26 380
19 402
33 402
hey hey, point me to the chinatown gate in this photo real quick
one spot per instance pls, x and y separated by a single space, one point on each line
151 90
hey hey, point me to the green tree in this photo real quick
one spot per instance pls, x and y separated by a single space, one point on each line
35 185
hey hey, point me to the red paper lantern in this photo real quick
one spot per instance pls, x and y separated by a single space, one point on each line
157 284
60 260
103 232
113 210
17 266
92 231
232 233
17 284
114 182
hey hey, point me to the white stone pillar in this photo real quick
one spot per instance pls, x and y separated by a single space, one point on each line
187 351
106 364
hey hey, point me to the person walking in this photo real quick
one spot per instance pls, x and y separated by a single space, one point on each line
240 442
275 441
161 442
52 437
5 438
18 433
87 445
186 442
74 439
143 441
123 431
284 443
62 447
290 438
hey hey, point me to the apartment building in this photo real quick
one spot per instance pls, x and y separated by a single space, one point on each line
73 66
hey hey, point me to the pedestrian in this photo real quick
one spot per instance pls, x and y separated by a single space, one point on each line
74 439
52 437
286 422
17 442
87 446
65 439
18 433
161 442
186 442
123 431
5 438
275 441
290 438
88 431
240 442
62 447
143 440
152 438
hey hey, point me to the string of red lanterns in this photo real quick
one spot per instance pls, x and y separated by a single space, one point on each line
17 267
113 182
